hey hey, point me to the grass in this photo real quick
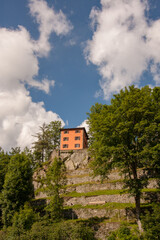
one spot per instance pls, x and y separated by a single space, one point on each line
151 190
104 192
78 176
94 182
95 193
109 205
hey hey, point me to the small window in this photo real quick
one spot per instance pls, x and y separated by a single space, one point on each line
77 131
65 139
65 145
77 138
77 145
66 131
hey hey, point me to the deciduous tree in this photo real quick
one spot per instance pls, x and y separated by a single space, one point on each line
17 187
126 134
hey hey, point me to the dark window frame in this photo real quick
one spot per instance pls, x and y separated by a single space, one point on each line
66 131
77 138
77 145
77 131
66 139
65 145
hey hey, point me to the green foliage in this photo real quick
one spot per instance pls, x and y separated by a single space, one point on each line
48 139
40 231
96 193
17 187
72 231
109 205
21 223
54 181
124 233
125 135
24 218
45 230
151 223
4 160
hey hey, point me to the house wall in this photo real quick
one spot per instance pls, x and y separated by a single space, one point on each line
69 141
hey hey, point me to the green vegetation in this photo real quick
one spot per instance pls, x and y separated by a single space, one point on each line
124 138
48 139
54 181
17 188
109 205
125 232
151 223
105 192
4 160
95 193
125 135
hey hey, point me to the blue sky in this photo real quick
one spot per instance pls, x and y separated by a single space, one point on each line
59 57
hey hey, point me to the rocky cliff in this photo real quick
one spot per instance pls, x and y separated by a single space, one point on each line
87 197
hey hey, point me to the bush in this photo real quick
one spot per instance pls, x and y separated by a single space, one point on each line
151 223
72 231
124 233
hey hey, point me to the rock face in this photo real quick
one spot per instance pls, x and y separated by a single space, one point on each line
83 190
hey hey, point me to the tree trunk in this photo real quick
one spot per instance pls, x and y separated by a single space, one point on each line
137 201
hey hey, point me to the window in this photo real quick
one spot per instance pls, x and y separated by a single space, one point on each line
77 145
77 131
65 139
65 145
66 131
77 138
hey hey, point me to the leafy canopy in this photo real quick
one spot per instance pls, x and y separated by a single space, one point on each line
126 134
18 187
47 139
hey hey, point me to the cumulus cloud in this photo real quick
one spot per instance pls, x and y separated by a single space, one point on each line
85 125
124 44
19 66
49 22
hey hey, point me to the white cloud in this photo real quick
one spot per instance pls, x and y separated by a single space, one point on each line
49 22
85 125
124 44
20 117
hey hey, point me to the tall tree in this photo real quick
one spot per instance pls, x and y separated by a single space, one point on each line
17 188
48 139
125 134
53 185
4 160
54 133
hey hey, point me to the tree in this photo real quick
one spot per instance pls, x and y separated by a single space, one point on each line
18 187
54 134
53 183
125 134
22 223
4 160
48 139
124 232
151 223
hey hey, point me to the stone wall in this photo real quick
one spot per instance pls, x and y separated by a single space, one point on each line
80 179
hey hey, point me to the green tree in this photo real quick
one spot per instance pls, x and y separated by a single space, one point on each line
48 139
21 223
41 146
4 160
54 134
124 232
17 187
54 181
151 223
72 231
125 134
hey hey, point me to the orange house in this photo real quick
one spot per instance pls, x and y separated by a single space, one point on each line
73 139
